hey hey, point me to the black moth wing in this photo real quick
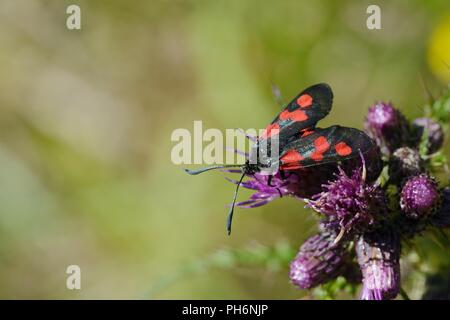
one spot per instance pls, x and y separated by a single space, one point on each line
303 112
322 146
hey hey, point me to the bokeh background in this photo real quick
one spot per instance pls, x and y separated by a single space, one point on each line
86 118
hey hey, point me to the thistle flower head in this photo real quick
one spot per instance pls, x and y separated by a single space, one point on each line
319 260
294 183
419 196
350 203
434 131
265 192
387 126
404 162
378 255
382 115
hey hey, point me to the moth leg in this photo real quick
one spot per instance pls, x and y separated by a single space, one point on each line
279 191
269 181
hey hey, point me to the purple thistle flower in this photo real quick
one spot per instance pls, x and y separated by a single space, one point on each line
319 260
387 126
266 193
419 196
378 255
442 217
296 183
435 133
404 163
349 203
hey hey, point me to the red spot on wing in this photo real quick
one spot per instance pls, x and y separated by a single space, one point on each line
270 130
291 160
343 149
291 156
321 145
305 100
296 115
317 156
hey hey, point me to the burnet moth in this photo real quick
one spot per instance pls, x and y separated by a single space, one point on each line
299 143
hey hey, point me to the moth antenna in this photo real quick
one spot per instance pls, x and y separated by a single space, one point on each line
248 136
198 171
230 214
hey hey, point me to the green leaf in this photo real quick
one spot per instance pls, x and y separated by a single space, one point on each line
423 146
441 108
333 288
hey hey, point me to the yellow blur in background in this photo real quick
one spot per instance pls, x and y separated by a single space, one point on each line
439 50
86 118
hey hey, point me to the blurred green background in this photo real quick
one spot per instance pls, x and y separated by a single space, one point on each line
86 118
